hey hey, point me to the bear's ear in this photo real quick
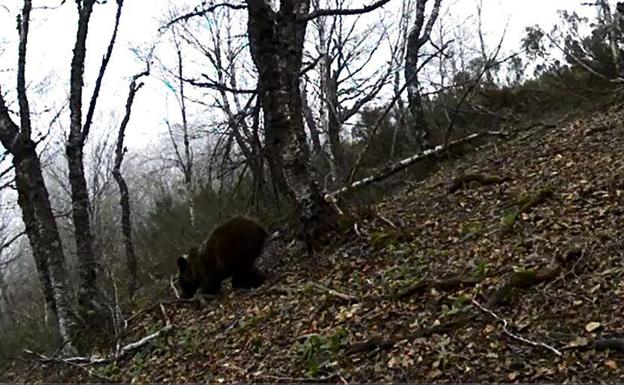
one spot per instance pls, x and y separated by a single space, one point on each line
182 263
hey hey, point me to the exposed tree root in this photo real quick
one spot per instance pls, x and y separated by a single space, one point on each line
379 342
524 205
523 280
444 284
483 180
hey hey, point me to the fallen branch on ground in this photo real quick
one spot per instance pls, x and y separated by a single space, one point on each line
396 167
90 372
512 335
346 297
197 301
121 353
616 344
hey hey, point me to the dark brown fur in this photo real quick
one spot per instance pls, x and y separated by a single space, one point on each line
230 251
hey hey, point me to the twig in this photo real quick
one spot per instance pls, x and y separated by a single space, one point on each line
346 297
512 335
357 231
90 372
172 284
388 221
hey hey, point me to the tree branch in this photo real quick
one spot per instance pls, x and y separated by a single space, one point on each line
200 12
209 83
8 129
343 12
103 66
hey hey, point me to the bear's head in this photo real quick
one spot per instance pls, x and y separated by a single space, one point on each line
188 278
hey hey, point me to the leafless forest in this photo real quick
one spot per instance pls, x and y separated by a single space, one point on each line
416 174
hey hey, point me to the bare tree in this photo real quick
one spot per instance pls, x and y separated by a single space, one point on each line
78 133
276 39
124 199
346 82
276 42
33 197
417 38
186 160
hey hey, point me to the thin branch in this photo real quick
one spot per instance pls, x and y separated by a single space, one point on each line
579 61
486 67
200 12
209 83
343 12
512 335
6 244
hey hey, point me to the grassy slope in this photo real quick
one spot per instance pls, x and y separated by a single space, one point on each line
299 330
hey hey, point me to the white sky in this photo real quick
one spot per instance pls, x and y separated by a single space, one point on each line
53 33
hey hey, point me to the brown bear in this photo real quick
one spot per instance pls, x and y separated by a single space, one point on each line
230 251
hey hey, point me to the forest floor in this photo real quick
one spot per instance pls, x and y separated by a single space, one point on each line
509 281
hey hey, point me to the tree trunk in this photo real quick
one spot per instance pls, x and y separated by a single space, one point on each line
33 199
6 316
319 157
87 266
276 43
43 235
415 40
188 159
334 124
613 34
420 130
124 196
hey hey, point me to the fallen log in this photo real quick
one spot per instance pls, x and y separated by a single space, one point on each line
396 167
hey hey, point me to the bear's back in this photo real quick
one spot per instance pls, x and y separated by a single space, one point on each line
235 244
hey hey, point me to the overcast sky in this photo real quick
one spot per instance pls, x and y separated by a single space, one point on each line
53 33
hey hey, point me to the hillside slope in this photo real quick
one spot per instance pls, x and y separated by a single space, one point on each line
378 307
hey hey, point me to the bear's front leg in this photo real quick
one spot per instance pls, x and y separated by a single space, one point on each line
247 279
